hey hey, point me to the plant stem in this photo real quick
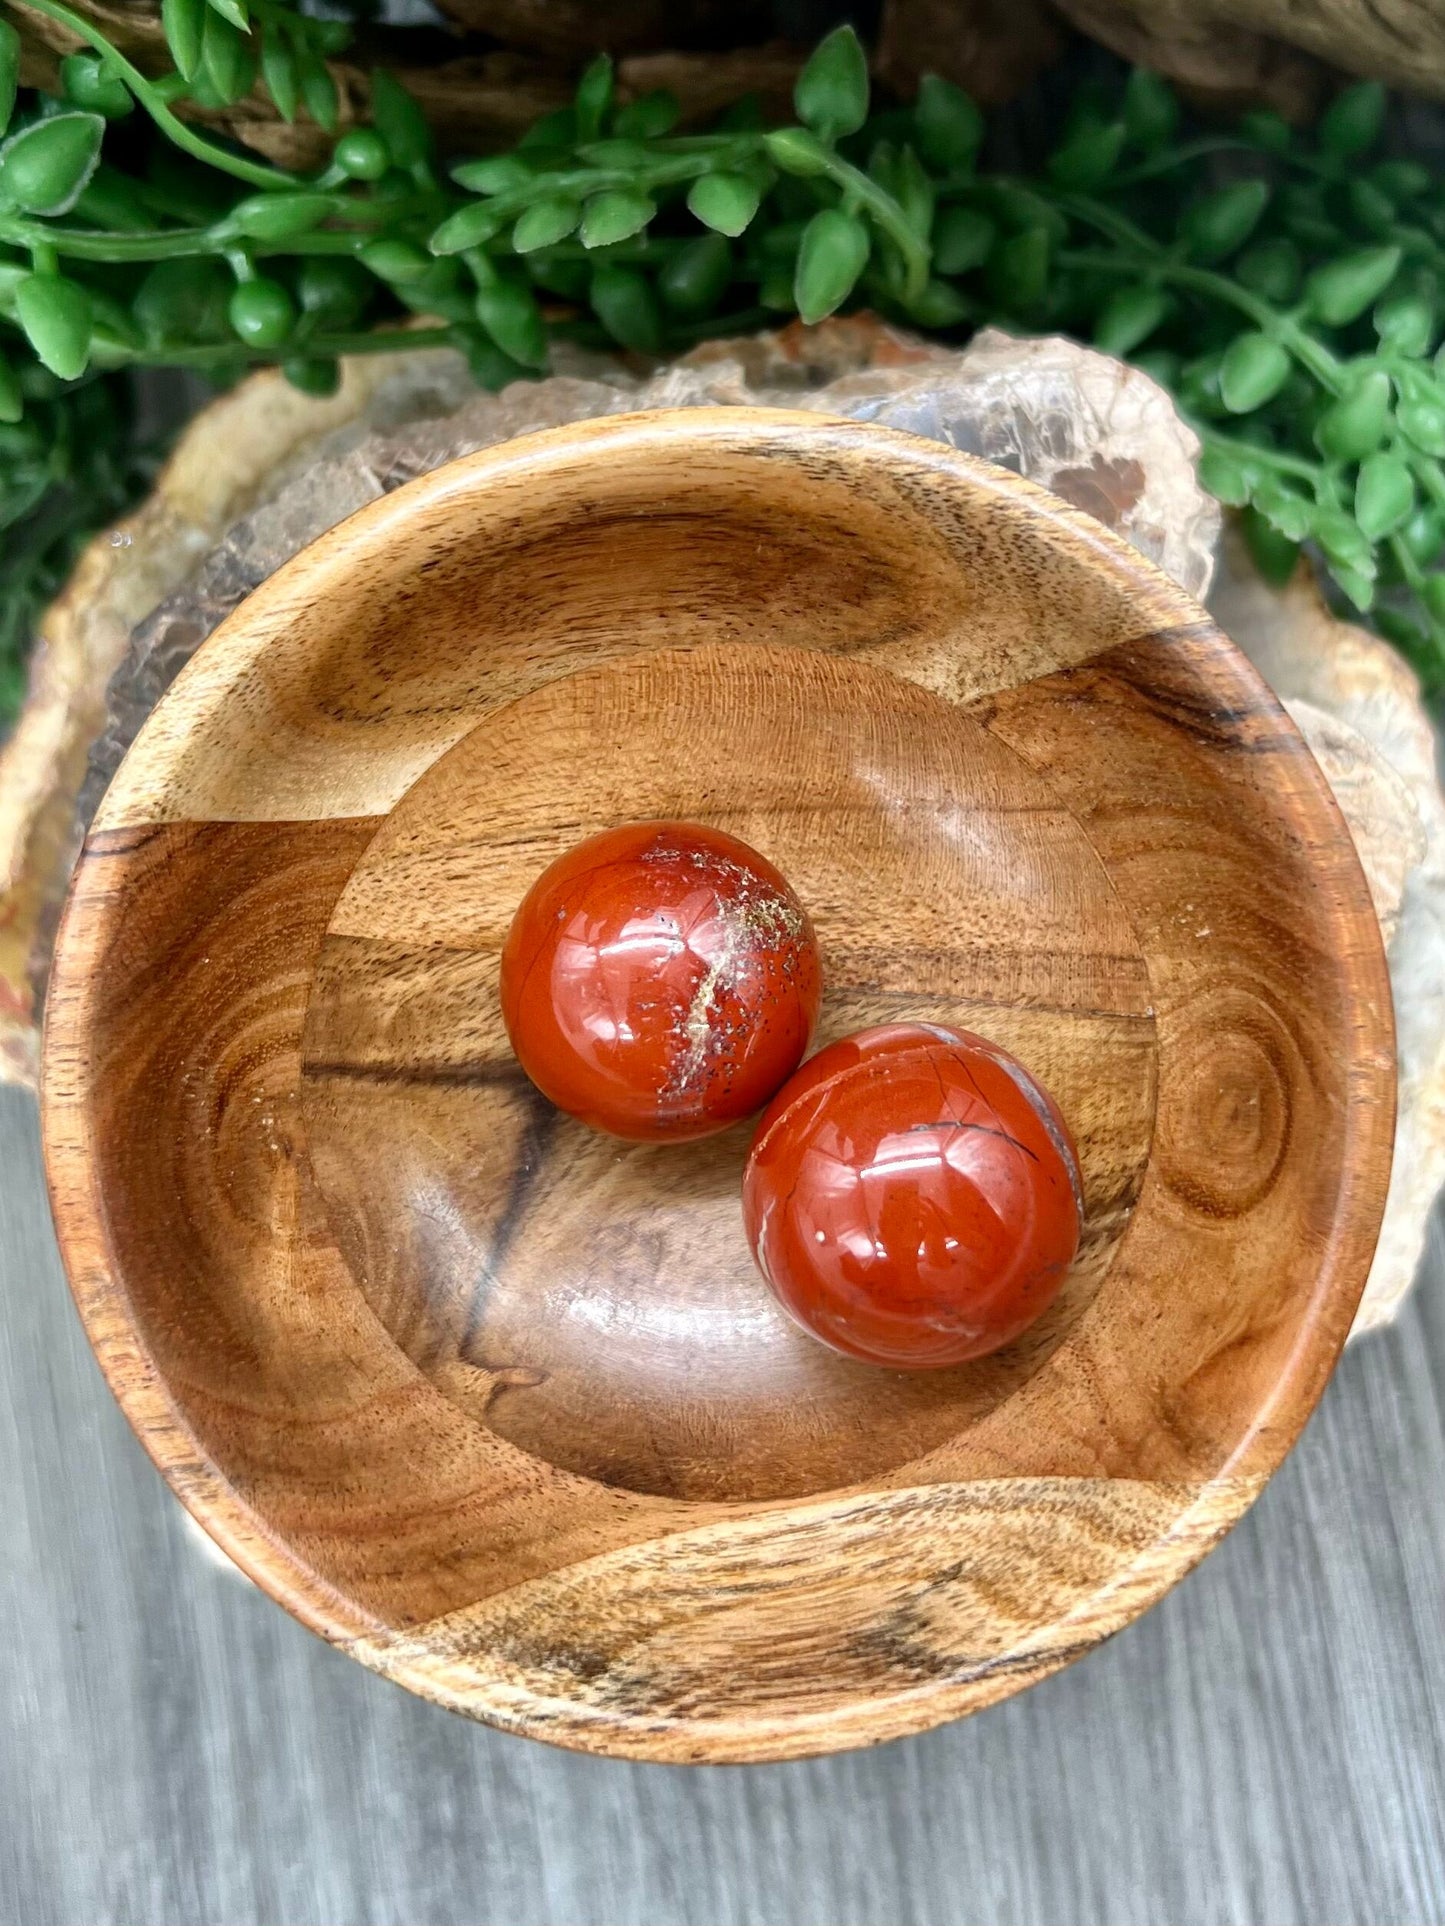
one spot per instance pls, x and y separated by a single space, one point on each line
1311 354
1411 570
164 244
1276 458
1193 150
218 354
889 216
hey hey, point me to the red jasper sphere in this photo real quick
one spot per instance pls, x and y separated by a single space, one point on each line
912 1196
660 981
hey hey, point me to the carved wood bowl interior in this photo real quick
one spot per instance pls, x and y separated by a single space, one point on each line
500 1406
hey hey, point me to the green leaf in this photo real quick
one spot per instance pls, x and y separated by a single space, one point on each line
831 94
1271 269
1421 418
1302 208
1151 110
594 97
92 84
1353 120
262 313
183 301
940 305
1129 317
490 368
1267 130
882 164
624 303
400 262
1404 180
727 203
1253 371
1087 161
1160 364
649 118
1359 587
1287 512
779 245
183 23
1355 425
1423 534
318 94
623 154
555 274
316 375
226 59
12 399
333 290
615 216
775 290
1275 555
1019 208
795 151
9 71
1433 596
1340 291
1384 496
44 167
57 318
1406 322
1224 476
235 11
279 217
1018 270
1223 221
697 276
278 71
471 226
361 154
833 254
553 131
111 199
947 126
913 190
744 116
498 174
510 315
1372 209
112 326
545 223
439 291
1344 541
399 120
962 239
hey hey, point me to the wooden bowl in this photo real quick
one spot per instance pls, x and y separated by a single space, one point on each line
501 1406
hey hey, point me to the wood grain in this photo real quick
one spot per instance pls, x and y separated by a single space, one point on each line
460 1387
599 1306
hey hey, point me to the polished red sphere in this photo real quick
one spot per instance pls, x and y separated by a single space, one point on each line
660 981
913 1196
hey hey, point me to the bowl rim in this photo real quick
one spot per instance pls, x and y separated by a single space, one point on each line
116 1332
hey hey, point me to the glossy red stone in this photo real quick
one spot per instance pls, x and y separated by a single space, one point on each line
912 1196
660 981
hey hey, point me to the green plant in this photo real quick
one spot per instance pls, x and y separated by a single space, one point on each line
1288 289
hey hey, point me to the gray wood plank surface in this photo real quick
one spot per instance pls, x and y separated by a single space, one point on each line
1266 1747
